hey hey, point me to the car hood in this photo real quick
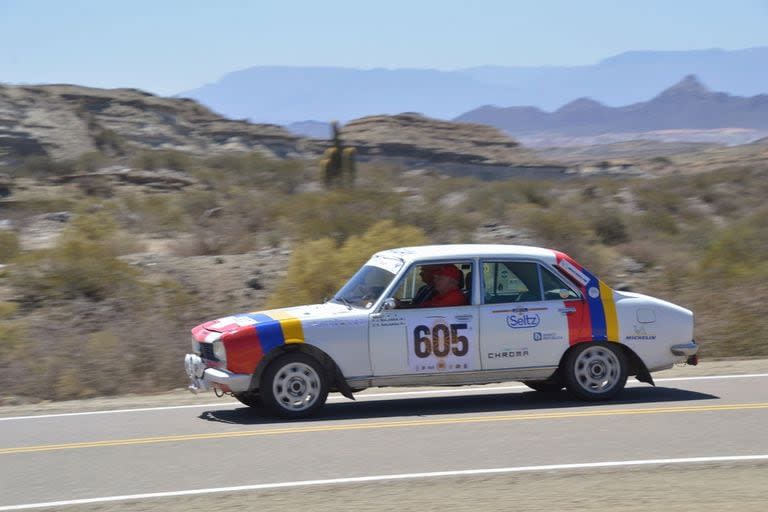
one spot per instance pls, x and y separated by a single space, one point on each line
648 300
302 314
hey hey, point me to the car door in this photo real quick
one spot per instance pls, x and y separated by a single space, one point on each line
409 339
523 315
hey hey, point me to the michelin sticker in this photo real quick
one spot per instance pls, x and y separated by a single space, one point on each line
442 344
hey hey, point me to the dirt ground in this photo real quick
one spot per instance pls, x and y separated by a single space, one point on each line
739 487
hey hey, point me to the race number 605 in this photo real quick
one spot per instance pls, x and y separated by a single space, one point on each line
440 340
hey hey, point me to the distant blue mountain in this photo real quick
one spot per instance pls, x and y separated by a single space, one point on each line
289 94
314 129
688 104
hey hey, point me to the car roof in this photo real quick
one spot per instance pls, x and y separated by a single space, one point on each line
426 252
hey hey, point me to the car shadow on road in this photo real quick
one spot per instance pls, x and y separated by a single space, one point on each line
388 407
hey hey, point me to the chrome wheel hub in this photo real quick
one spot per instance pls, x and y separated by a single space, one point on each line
597 369
296 386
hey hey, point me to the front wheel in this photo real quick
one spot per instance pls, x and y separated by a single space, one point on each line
294 386
250 398
595 371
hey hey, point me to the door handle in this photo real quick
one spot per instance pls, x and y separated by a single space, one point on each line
567 311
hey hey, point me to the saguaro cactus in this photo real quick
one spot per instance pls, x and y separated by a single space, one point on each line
338 163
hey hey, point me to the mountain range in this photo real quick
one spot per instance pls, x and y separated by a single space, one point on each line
686 105
285 95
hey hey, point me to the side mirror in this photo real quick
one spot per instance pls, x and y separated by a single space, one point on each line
389 304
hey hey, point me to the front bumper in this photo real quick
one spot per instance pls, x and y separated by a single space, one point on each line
203 378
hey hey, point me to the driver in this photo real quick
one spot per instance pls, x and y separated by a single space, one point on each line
447 292
427 291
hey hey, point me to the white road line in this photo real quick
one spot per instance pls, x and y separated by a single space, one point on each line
384 478
372 396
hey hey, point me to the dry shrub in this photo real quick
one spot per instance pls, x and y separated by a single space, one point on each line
156 213
129 344
253 170
560 229
96 186
610 227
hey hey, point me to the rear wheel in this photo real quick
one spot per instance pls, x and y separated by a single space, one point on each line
595 371
294 386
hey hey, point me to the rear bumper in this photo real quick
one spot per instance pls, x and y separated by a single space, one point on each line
202 378
685 349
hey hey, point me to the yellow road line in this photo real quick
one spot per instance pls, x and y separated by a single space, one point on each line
385 424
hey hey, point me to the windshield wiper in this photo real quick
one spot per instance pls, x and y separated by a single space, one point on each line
345 301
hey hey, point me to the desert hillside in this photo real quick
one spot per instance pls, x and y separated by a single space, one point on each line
111 256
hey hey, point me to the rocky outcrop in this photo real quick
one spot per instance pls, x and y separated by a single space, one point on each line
415 137
65 121
160 179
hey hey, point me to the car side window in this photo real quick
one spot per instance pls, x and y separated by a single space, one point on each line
554 287
511 281
435 285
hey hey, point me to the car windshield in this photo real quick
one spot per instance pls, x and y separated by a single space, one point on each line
365 287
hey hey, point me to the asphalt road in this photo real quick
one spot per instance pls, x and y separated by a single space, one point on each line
692 439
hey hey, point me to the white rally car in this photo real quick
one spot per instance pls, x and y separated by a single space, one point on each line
524 313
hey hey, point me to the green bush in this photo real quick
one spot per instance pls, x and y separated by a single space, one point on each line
9 245
97 226
76 267
8 309
163 159
319 268
738 251
339 214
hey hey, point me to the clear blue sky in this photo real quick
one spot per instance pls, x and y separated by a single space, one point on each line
166 46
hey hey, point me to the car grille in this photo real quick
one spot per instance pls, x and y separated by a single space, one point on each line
206 351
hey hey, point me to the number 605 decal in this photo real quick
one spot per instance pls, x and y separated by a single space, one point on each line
441 340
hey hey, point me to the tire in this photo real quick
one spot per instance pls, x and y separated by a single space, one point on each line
544 386
294 386
250 398
595 371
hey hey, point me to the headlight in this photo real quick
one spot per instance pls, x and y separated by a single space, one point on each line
219 351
